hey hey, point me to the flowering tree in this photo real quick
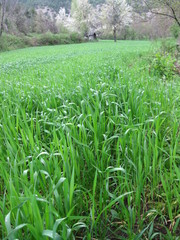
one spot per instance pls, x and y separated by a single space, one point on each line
95 21
65 21
116 14
81 13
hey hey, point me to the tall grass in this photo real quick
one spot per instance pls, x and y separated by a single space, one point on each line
89 144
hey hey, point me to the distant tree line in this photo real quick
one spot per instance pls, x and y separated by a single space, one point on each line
122 19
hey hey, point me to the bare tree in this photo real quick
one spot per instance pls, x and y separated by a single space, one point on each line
3 9
166 8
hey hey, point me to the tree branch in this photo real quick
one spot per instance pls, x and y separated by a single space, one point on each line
173 16
174 13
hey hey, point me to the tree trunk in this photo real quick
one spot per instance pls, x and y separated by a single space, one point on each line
114 33
3 8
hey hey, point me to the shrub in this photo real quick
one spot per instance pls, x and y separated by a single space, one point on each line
76 38
10 42
168 46
175 31
48 39
62 38
163 66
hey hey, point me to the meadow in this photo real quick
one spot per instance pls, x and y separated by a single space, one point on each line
89 144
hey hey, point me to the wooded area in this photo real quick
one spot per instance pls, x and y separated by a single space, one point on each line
138 19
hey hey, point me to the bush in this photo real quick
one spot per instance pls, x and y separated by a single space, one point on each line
49 39
175 30
125 34
107 36
10 42
168 46
128 33
62 38
76 38
163 66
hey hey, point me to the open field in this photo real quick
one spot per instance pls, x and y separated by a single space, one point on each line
89 144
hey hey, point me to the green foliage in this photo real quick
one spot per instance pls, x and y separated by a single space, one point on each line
56 39
168 46
175 30
89 144
11 42
76 38
163 66
126 33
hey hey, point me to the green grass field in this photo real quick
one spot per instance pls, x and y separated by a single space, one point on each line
89 144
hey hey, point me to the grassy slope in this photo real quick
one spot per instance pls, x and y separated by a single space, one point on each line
89 144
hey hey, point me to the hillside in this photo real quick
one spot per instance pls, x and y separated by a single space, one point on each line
55 4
